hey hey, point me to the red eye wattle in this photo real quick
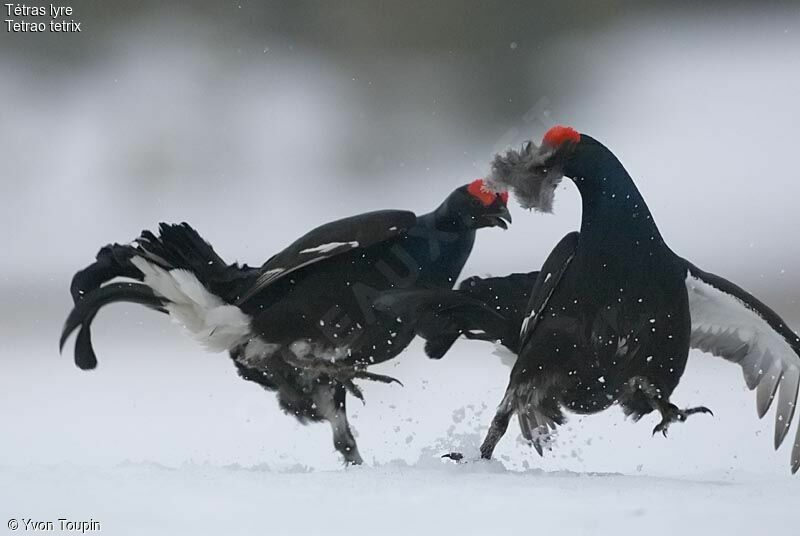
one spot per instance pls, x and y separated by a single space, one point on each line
560 134
478 190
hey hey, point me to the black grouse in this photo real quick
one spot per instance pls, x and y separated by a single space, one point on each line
304 324
614 311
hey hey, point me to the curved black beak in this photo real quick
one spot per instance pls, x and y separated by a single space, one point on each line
501 218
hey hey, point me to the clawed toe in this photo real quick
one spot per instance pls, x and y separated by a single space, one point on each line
342 373
346 379
662 427
363 374
677 415
353 389
698 409
455 456
352 459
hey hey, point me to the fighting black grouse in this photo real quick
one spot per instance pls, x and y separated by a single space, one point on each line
304 323
614 311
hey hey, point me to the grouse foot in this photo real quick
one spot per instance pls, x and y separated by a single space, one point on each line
542 439
670 414
343 373
352 458
345 376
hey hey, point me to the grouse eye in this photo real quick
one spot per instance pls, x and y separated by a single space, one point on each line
540 170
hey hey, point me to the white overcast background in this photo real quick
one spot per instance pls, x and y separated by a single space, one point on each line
254 138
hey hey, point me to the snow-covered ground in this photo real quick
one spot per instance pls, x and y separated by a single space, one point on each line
145 447
397 499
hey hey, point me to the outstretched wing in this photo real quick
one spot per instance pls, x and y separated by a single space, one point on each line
509 295
329 240
730 323
440 316
483 308
547 282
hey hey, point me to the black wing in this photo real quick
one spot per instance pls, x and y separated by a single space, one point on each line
332 239
547 282
489 309
440 316
509 295
729 322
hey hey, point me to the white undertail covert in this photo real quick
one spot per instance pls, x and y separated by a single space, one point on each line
215 324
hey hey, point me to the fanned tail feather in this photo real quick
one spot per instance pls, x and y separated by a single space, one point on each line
177 272
112 261
86 309
179 246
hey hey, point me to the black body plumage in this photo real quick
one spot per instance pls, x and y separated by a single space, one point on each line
304 323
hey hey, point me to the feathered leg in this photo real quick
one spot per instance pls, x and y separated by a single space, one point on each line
498 427
331 403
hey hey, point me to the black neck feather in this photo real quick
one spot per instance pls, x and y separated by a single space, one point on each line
615 218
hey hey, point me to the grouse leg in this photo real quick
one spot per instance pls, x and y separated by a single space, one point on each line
498 427
331 404
496 431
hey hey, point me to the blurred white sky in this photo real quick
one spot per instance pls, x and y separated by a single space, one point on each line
255 150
